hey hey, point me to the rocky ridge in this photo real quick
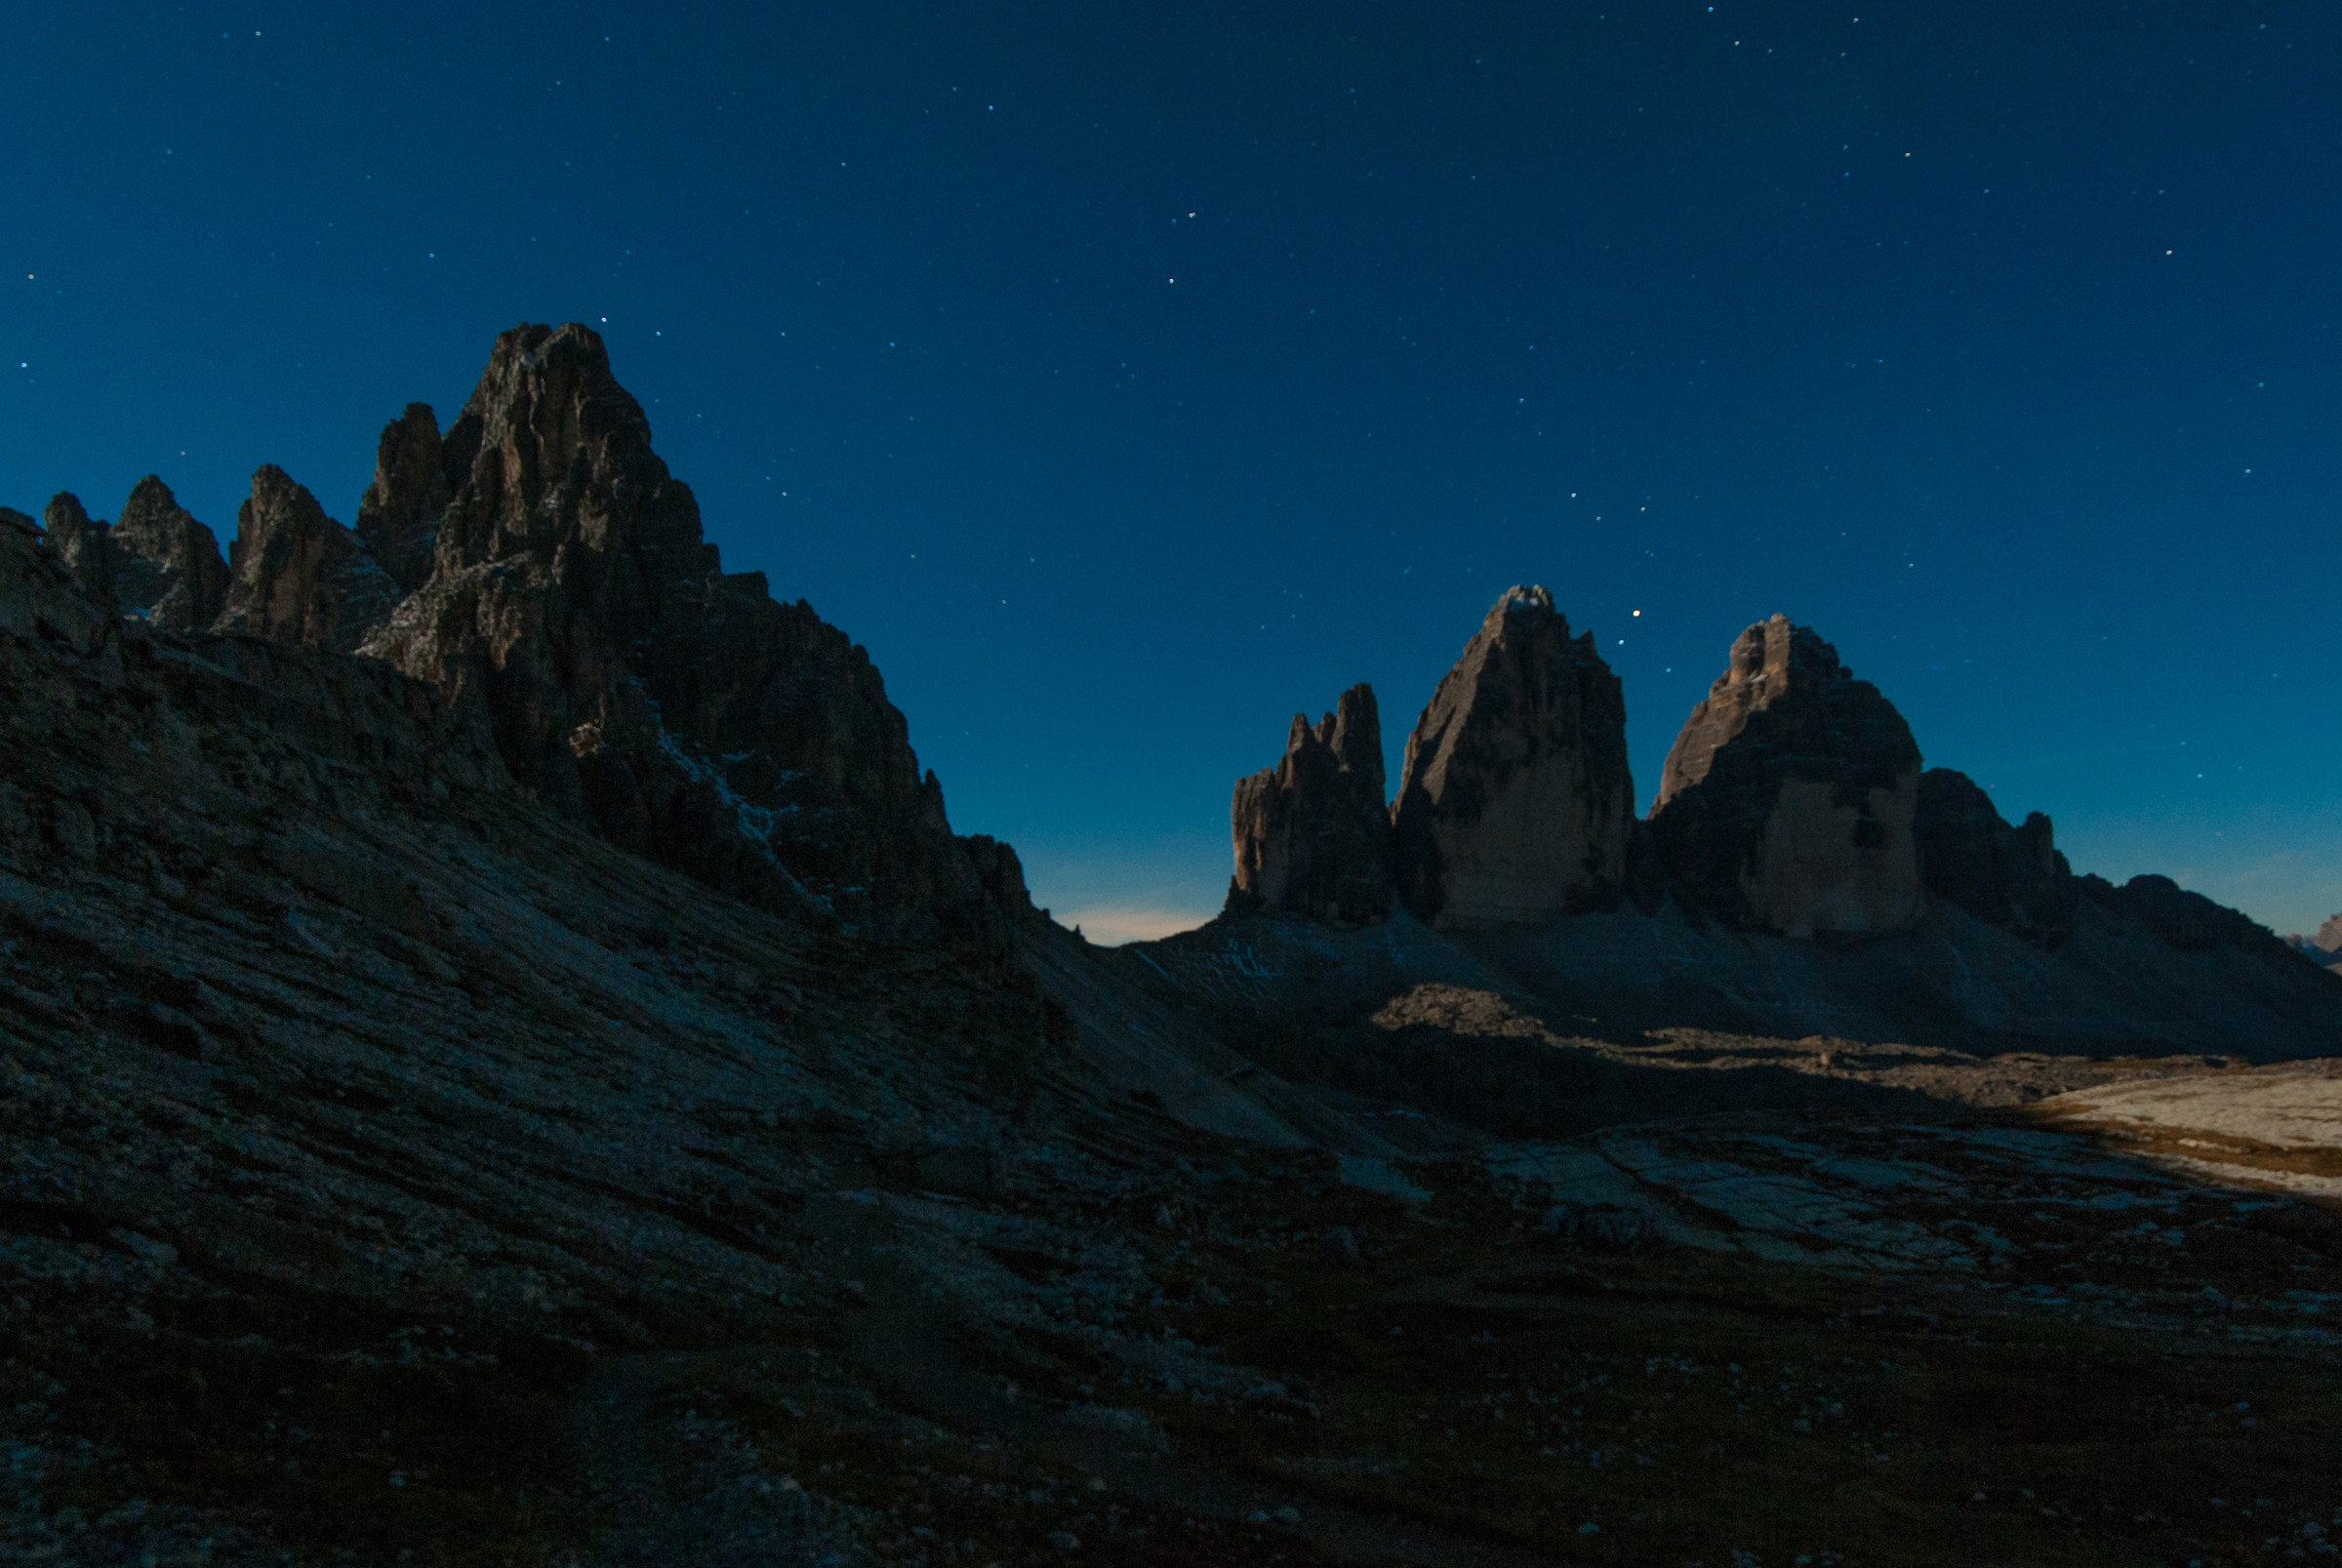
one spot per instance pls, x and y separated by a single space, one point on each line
540 567
155 561
2010 877
636 685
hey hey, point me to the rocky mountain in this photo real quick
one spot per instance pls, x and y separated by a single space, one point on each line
1313 836
633 683
541 568
1798 873
550 1089
1787 800
1515 803
2325 948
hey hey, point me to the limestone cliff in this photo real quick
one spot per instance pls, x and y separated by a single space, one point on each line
1514 801
1787 801
1313 836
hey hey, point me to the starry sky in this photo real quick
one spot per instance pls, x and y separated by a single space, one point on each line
1127 378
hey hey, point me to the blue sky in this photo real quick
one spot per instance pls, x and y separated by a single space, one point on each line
1127 378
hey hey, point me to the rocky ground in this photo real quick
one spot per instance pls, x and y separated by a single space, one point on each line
656 1233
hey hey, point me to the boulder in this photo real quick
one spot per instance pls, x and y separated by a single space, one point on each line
296 576
1514 802
166 565
1313 836
631 680
1787 801
2010 877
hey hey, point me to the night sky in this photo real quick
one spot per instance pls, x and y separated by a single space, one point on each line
1127 378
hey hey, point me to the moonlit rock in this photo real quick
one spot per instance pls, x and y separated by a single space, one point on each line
1514 801
1787 801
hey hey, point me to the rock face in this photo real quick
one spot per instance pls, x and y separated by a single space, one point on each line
166 565
1313 836
2329 935
631 681
117 743
296 576
399 517
1787 800
83 544
1514 801
2010 877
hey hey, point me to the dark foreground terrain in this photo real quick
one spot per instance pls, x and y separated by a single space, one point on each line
420 1146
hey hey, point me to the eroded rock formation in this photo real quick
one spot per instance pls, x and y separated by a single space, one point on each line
1787 800
166 565
297 575
2010 877
1313 836
399 517
629 679
83 545
1514 800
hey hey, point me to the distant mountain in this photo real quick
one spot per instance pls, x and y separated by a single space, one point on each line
1801 872
2325 948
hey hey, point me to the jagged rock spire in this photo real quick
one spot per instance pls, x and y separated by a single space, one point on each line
166 565
399 517
1787 800
1514 800
629 679
1312 835
297 575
